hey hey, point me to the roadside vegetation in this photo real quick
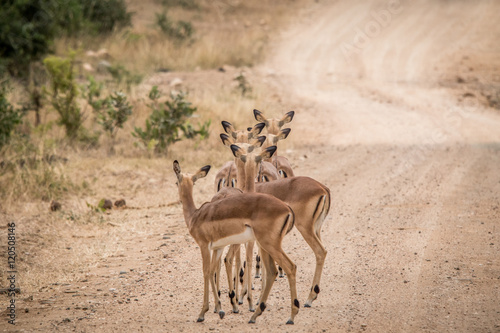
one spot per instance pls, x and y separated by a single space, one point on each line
91 90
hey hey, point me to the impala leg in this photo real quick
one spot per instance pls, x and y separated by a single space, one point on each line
213 267
217 276
291 270
320 253
270 275
241 277
228 262
205 256
276 252
247 281
257 265
237 268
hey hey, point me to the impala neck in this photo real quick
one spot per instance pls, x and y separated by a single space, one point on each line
240 174
249 175
188 207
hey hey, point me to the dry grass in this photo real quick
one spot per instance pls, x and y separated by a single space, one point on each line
226 33
63 246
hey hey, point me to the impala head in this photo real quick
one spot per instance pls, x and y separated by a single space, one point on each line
242 136
185 181
273 125
273 139
256 142
267 172
252 158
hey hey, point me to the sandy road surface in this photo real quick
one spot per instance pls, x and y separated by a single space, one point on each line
413 233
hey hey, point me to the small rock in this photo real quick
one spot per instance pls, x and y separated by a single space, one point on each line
103 66
176 82
88 67
120 203
103 53
123 272
108 204
55 206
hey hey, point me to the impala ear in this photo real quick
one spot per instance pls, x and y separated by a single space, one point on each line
254 131
227 126
201 173
267 153
287 118
238 152
226 140
259 141
283 134
177 168
258 128
259 116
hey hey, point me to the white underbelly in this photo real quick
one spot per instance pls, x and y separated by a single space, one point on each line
245 236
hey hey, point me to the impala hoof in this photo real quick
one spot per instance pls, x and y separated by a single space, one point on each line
251 321
251 310
200 320
240 302
221 314
236 311
289 322
257 276
307 305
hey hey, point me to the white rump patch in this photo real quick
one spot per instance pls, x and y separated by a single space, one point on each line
245 236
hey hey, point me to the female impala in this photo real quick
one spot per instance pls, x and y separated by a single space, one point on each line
309 199
273 127
226 176
238 219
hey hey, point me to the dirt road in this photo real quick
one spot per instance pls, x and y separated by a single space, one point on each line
389 117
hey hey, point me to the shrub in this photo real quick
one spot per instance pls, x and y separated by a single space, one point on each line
9 116
28 27
112 111
27 32
64 92
106 15
180 30
243 84
186 4
121 76
168 123
115 113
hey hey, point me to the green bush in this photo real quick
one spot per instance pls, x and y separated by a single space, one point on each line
63 93
28 27
186 4
112 111
9 116
106 15
243 84
27 32
180 30
168 122
121 76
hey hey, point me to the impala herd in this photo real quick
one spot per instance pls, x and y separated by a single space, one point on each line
258 199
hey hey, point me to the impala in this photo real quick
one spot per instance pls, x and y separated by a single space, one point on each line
309 199
273 127
226 176
237 219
